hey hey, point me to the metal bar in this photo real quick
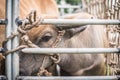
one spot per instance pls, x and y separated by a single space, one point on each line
70 78
8 32
15 56
62 11
77 22
70 50
3 21
3 77
80 22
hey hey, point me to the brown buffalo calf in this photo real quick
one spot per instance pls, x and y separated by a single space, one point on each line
87 36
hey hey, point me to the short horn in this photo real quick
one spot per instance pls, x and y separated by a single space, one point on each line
64 27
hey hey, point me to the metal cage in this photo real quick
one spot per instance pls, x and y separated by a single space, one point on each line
109 15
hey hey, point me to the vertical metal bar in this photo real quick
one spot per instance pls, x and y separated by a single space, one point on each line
15 56
8 32
119 35
91 9
62 3
105 9
114 8
96 5
99 10
111 8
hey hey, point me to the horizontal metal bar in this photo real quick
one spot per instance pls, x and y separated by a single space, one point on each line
2 77
68 6
64 22
3 21
69 78
70 50
80 22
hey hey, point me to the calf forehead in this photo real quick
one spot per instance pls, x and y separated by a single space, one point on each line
36 32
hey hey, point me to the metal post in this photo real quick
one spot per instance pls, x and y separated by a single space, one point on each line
8 32
15 56
70 50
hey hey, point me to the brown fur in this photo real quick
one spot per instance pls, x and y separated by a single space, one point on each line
46 8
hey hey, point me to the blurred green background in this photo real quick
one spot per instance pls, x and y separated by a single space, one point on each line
72 2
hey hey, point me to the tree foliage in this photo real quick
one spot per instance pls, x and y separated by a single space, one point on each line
72 2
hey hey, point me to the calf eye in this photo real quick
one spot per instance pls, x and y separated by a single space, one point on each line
46 38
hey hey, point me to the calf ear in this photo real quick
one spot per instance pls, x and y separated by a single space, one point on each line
73 31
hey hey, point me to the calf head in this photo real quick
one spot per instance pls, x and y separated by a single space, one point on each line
44 37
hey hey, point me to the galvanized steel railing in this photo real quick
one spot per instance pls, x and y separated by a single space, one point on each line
12 60
70 78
